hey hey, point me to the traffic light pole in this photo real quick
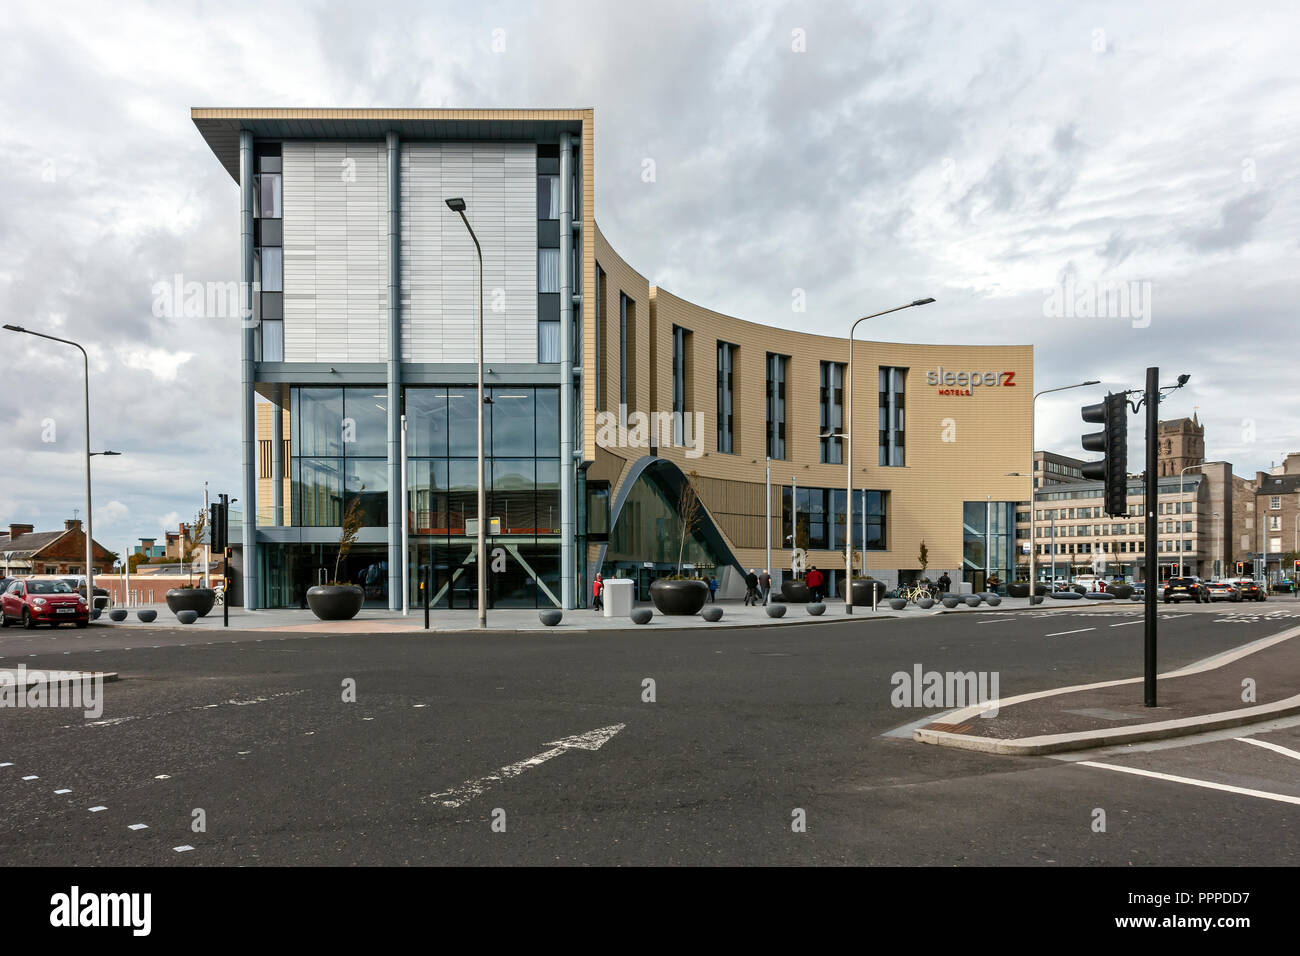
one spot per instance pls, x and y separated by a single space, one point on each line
1152 507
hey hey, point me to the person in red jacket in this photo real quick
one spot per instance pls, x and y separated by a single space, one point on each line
598 594
815 579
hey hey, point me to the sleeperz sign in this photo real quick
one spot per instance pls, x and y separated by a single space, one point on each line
965 383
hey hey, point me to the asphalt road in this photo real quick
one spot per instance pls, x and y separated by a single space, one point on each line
747 728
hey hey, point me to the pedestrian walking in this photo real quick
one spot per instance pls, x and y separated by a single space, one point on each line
765 582
751 588
598 594
713 590
815 579
945 583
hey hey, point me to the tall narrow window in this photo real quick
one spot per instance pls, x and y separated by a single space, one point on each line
832 412
623 349
681 338
892 421
600 338
548 197
726 391
777 370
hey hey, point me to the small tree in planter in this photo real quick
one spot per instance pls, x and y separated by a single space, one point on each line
680 594
339 601
688 513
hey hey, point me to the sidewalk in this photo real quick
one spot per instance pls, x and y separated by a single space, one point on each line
1202 697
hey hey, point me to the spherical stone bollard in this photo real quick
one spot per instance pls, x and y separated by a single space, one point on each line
972 600
642 615
1099 596
187 617
1036 599
993 600
712 614
117 614
775 610
94 615
147 615
925 603
551 616
1066 595
951 602
897 603
817 609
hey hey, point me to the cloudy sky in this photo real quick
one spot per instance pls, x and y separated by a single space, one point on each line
869 154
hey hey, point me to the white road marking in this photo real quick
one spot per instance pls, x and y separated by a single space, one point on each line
1192 781
1126 623
163 776
182 849
419 705
138 826
64 790
996 620
96 809
591 740
1269 745
1079 631
243 752
6 764
31 777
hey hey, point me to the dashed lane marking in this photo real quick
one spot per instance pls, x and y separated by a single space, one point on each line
96 809
31 776
64 790
138 826
1079 631
182 849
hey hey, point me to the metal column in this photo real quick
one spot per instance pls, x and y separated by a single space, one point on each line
396 506
1152 507
247 345
567 485
277 464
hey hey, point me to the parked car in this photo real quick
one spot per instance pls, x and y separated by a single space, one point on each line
31 602
1224 591
1252 590
78 584
1186 589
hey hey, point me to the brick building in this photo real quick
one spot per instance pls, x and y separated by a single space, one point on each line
24 550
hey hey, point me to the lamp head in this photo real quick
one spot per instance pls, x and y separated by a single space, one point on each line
922 301
456 205
15 328
1183 379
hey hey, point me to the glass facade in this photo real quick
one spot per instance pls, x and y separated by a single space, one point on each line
831 400
778 367
821 515
893 382
726 391
521 434
339 453
988 541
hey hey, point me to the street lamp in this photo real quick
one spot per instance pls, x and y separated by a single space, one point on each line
848 459
457 205
1033 544
1180 505
85 363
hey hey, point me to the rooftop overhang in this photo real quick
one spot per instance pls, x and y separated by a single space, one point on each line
220 126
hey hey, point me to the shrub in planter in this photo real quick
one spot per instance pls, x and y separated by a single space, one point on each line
679 596
817 609
775 610
335 602
862 588
198 600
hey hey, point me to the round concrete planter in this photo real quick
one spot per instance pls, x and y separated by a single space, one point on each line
862 589
335 602
642 615
817 609
951 602
897 603
198 600
1122 592
1099 596
1066 595
925 603
1036 599
973 600
679 597
993 600
712 614
775 610
796 592
551 616
147 616
1019 589
117 614
187 617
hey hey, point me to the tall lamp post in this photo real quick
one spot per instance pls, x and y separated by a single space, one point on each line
85 364
457 205
848 458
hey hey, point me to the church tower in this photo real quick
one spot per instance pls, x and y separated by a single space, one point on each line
1182 445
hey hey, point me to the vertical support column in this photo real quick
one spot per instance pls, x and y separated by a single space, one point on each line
277 464
247 346
568 487
1152 501
396 506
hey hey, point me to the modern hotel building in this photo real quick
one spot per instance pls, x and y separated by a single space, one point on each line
606 394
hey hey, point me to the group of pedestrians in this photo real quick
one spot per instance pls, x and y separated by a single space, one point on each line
758 587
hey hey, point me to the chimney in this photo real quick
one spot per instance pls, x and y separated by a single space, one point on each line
16 530
72 524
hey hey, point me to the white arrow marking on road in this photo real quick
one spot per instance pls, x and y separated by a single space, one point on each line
591 740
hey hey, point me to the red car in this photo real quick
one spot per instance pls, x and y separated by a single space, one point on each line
42 602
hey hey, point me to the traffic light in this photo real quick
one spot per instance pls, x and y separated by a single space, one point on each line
217 525
1112 442
1241 568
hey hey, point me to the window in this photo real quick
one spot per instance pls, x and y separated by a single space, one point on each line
548 197
1274 522
269 186
272 269
681 365
1275 502
831 396
778 367
626 349
600 338
726 390
892 423
548 270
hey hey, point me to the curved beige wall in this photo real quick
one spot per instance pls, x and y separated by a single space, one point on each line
990 430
